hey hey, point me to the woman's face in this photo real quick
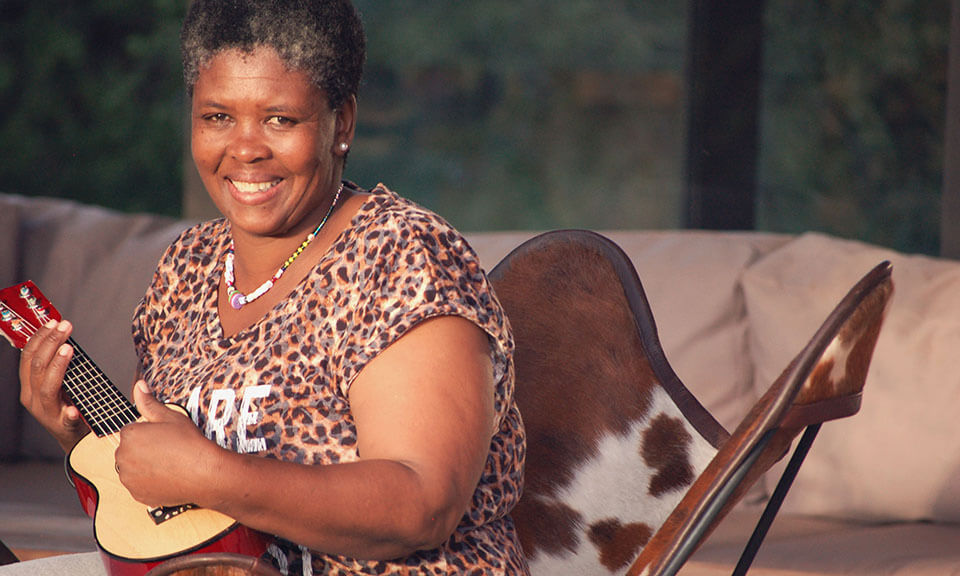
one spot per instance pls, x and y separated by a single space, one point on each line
266 143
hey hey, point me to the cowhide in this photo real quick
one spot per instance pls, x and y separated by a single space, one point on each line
617 496
613 438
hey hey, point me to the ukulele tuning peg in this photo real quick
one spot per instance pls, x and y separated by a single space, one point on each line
33 303
8 317
27 294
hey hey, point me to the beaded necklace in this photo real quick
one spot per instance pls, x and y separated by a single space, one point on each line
237 298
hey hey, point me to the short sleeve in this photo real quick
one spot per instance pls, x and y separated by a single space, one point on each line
415 268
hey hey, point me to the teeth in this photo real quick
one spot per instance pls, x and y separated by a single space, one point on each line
250 187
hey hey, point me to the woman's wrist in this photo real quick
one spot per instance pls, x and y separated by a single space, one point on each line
220 466
69 434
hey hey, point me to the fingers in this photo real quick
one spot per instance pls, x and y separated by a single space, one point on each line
43 364
158 456
71 414
151 409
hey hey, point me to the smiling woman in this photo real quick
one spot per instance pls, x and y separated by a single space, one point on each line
346 370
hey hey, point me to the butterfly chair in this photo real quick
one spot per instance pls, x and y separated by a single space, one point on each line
625 468
6 555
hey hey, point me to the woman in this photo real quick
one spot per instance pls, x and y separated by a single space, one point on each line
346 365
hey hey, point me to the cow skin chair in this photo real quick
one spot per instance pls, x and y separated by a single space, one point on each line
626 471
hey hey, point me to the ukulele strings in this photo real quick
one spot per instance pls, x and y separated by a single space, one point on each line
113 410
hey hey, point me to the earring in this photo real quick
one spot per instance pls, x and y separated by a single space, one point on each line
344 147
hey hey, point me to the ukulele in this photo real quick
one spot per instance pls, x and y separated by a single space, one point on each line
132 537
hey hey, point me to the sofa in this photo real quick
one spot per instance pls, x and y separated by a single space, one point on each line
879 493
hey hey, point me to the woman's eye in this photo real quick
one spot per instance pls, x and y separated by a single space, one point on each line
281 121
217 118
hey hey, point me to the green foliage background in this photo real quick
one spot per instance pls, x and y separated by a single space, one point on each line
498 114
853 119
532 114
92 101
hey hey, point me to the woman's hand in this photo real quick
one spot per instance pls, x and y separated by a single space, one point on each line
43 363
163 458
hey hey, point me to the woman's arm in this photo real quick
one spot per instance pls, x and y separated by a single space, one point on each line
424 412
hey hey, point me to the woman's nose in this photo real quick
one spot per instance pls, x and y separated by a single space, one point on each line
248 144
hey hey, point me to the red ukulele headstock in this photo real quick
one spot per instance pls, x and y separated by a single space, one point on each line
23 309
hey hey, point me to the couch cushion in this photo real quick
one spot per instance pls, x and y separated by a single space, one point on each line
899 458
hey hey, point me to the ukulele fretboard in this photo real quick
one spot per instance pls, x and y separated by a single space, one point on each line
105 409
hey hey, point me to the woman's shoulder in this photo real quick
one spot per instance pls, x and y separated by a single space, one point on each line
193 253
391 217
182 269
200 241
203 233
384 204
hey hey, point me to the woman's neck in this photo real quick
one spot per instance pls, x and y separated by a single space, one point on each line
257 259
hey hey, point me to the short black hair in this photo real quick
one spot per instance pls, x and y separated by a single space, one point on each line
323 38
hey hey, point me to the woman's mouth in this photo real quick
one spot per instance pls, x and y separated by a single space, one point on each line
253 187
253 192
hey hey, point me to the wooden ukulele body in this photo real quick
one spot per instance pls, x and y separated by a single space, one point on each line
130 539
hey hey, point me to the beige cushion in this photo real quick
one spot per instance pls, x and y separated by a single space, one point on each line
899 458
805 546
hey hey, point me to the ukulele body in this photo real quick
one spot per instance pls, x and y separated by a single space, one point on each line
131 537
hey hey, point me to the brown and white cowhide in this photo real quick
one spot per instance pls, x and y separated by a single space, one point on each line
613 438
618 494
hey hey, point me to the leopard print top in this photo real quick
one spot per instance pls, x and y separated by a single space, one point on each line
280 387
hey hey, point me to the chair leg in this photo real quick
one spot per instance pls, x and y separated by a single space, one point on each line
776 500
688 546
6 555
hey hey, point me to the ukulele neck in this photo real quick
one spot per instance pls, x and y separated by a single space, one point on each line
105 409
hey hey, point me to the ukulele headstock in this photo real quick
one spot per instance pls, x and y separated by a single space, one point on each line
24 309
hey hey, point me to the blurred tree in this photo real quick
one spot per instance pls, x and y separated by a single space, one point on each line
854 119
93 100
498 114
531 114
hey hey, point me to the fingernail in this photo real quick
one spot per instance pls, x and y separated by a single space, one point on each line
142 385
64 350
51 324
63 326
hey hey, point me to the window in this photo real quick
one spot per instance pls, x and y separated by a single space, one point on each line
853 117
779 115
527 115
